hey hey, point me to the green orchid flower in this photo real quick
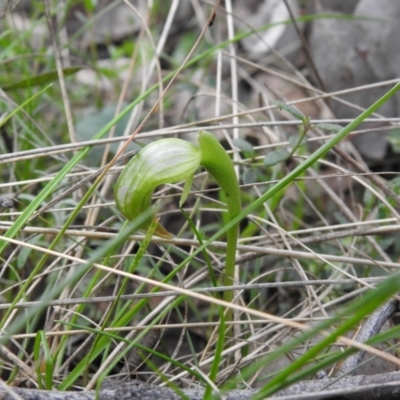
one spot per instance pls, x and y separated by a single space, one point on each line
171 161
160 162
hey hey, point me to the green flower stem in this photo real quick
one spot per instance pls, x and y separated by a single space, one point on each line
219 165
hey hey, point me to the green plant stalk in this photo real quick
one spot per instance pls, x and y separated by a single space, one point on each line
304 130
49 362
218 164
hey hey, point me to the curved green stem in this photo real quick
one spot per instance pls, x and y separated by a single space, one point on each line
219 165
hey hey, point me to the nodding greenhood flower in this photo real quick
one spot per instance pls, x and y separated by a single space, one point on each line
174 160
160 162
171 161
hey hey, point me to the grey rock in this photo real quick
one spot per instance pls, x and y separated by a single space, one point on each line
281 37
352 53
342 6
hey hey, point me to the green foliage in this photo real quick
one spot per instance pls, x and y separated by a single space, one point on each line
40 80
275 157
292 110
329 127
44 361
244 146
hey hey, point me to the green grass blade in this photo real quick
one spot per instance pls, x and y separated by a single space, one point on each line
48 359
356 312
41 79
20 107
114 336
37 360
